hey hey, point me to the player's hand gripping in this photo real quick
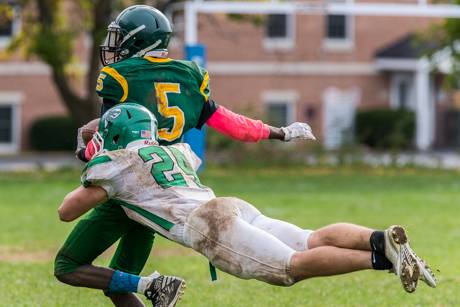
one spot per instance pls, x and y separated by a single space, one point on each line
298 131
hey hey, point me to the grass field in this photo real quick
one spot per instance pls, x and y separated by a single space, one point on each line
427 202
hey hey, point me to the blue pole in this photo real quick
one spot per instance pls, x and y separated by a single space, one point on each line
194 137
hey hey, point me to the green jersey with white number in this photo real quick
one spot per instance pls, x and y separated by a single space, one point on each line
157 186
175 91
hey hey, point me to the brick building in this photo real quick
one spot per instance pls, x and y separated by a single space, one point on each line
285 68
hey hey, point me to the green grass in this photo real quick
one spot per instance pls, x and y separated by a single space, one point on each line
427 202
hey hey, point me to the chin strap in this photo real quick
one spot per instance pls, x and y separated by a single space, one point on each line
142 52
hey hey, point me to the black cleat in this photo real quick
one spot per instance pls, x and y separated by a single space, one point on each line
165 291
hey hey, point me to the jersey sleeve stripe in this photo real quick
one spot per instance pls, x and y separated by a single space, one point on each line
121 80
165 224
97 160
204 85
157 60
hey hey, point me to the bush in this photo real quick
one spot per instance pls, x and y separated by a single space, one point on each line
55 133
386 129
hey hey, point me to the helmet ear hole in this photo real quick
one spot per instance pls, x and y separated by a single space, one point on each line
115 139
139 43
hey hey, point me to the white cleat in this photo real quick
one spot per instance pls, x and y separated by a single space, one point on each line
397 235
404 260
427 275
165 291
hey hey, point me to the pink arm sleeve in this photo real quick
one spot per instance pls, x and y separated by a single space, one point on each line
237 126
226 122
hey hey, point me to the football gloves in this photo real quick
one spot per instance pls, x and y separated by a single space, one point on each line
298 131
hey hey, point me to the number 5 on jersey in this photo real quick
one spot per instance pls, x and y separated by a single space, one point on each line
162 90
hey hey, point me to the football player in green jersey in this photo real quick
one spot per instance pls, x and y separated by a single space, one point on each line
138 70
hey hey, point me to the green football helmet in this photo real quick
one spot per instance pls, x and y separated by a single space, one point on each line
123 124
137 30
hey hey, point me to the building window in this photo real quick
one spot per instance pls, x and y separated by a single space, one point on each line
277 114
10 122
6 24
277 26
336 26
279 31
178 24
403 95
402 91
9 22
280 107
6 124
338 32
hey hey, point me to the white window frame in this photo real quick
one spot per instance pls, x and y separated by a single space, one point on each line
13 99
341 44
178 24
396 79
282 97
283 43
15 28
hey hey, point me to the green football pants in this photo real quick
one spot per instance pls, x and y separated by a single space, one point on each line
96 232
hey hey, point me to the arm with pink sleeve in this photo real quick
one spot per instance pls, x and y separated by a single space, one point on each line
225 122
237 126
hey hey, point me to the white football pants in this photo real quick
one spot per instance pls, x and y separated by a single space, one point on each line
239 240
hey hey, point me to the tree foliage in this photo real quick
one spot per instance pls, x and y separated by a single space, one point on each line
51 31
446 36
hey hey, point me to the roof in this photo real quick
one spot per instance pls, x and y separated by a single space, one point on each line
407 47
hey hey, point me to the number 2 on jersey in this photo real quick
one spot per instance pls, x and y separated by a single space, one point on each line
163 166
162 90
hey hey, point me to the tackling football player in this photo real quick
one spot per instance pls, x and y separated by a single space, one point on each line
157 186
177 92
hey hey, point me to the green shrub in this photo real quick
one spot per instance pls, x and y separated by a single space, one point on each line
54 133
385 129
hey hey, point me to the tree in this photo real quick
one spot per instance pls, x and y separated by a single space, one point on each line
446 36
51 37
53 27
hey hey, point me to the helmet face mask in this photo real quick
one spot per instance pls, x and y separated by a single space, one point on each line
98 141
137 30
110 49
